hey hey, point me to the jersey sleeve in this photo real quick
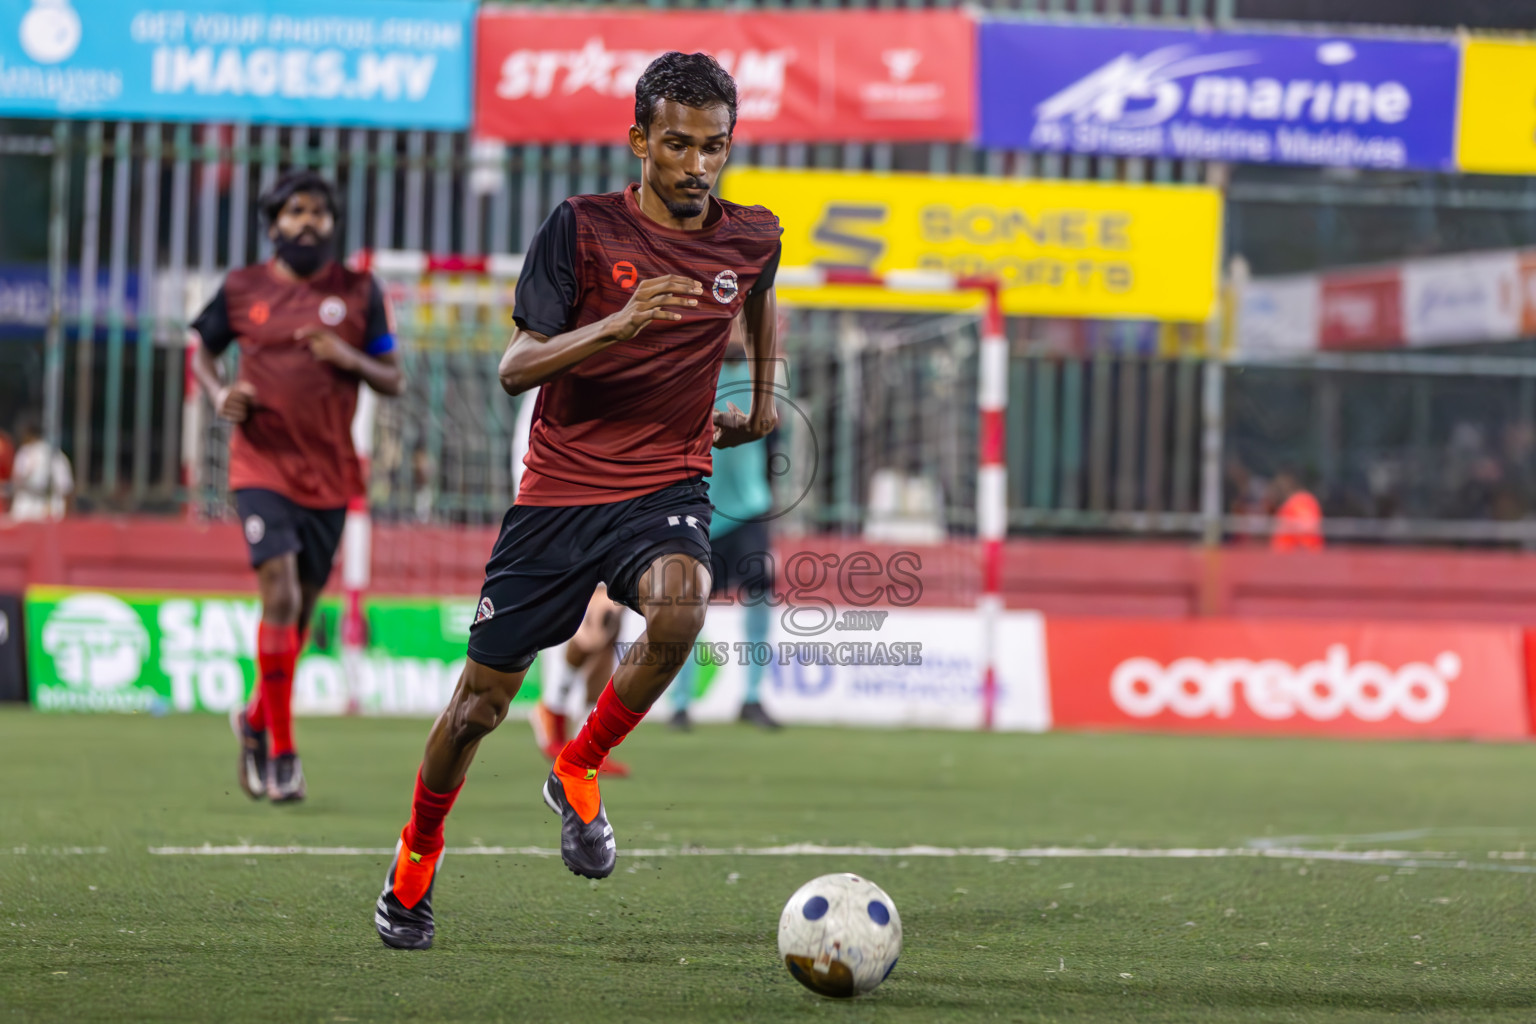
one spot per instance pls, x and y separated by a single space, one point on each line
769 272
379 333
212 324
548 287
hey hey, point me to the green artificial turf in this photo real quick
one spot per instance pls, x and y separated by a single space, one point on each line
121 934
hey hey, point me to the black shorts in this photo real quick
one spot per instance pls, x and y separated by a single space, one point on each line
274 526
549 559
742 560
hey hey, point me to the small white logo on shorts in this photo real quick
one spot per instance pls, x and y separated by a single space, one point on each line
332 311
725 286
255 529
485 611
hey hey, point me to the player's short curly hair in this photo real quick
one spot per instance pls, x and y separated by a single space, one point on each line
692 79
291 183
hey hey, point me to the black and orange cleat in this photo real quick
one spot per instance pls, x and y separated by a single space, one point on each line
252 771
285 779
403 915
586 838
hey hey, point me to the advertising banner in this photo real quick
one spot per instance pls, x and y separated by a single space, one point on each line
1059 247
1497 118
1313 678
139 651
1463 298
1343 101
835 76
1277 316
1362 309
926 672
401 63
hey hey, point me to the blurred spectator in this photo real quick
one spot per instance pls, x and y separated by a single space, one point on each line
41 480
1246 495
423 485
1299 517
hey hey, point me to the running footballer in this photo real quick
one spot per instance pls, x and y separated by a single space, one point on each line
623 311
308 330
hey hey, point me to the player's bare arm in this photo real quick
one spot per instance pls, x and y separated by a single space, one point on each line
381 372
760 325
231 402
531 358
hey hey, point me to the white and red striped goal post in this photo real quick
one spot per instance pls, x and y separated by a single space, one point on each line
992 394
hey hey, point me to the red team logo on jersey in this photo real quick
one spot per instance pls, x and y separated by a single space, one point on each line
625 275
260 312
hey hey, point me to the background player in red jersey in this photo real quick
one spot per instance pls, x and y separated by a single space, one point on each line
623 309
308 330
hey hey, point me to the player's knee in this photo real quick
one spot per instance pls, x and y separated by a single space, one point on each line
281 604
677 623
476 714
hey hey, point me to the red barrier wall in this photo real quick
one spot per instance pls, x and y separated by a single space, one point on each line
1058 577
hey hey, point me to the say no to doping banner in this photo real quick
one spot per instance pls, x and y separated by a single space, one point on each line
550 76
1060 248
389 62
90 650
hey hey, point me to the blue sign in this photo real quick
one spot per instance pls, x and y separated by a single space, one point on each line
25 302
1288 99
400 63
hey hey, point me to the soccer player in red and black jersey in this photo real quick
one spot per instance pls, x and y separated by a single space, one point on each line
623 311
308 330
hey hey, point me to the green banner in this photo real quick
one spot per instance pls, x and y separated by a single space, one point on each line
122 650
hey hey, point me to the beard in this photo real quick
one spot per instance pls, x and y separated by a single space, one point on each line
685 209
305 253
689 204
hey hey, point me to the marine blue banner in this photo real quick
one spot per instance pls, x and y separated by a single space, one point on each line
398 63
1292 99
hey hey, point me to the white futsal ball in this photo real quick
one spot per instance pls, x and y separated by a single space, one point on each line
840 935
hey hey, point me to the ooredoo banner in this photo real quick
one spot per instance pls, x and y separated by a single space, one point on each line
1253 676
552 76
400 63
1294 99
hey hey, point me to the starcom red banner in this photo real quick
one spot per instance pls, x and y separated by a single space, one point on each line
801 76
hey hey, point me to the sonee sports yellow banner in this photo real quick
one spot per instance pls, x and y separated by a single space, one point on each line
1497 119
1060 248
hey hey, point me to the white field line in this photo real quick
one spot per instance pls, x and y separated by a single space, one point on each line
1497 860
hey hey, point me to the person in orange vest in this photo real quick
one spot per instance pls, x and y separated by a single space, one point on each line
1299 519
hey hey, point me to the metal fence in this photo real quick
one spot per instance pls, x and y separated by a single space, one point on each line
137 222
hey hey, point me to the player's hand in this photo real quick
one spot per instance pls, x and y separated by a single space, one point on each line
234 402
734 427
657 298
326 347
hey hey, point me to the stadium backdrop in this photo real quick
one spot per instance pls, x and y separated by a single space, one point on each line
408 64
